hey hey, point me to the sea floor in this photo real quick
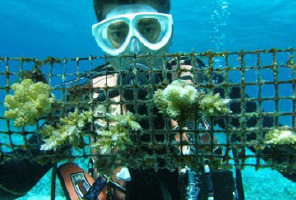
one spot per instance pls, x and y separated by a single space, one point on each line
264 184
267 184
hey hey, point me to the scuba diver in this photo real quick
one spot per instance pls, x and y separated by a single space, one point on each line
127 27
139 27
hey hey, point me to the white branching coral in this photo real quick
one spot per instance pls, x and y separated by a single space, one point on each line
177 100
30 102
181 101
69 130
117 135
280 136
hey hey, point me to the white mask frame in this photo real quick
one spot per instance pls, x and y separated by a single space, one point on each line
99 31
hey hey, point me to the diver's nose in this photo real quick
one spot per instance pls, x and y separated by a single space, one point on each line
134 45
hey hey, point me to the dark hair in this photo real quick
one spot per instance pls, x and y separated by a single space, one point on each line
162 6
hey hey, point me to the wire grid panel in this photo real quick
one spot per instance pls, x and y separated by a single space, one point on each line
260 85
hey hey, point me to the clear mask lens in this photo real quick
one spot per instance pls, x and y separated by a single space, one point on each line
149 28
117 33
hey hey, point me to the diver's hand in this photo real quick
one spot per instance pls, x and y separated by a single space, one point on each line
117 194
185 74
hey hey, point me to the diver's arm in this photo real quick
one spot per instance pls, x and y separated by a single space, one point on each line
188 77
101 82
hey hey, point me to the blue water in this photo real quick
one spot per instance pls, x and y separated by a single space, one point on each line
37 28
62 28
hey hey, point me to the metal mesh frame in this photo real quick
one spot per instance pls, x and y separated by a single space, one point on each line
260 75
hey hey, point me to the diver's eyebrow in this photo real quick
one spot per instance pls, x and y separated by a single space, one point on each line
117 25
148 22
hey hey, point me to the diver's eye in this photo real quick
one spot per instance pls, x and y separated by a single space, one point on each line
116 34
149 29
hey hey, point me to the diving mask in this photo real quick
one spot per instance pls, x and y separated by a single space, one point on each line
117 33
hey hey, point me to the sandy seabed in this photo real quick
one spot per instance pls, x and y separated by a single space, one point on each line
264 184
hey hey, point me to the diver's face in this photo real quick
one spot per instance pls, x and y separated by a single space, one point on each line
133 29
117 32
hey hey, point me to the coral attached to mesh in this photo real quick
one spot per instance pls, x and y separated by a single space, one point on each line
30 102
280 136
182 101
117 135
70 130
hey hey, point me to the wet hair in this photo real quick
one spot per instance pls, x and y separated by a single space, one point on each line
100 6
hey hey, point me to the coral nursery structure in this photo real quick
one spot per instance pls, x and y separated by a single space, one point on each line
213 116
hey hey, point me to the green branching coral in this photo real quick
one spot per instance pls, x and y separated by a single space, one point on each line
70 130
30 102
213 104
117 135
280 136
181 101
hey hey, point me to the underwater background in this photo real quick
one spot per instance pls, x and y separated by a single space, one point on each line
61 28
